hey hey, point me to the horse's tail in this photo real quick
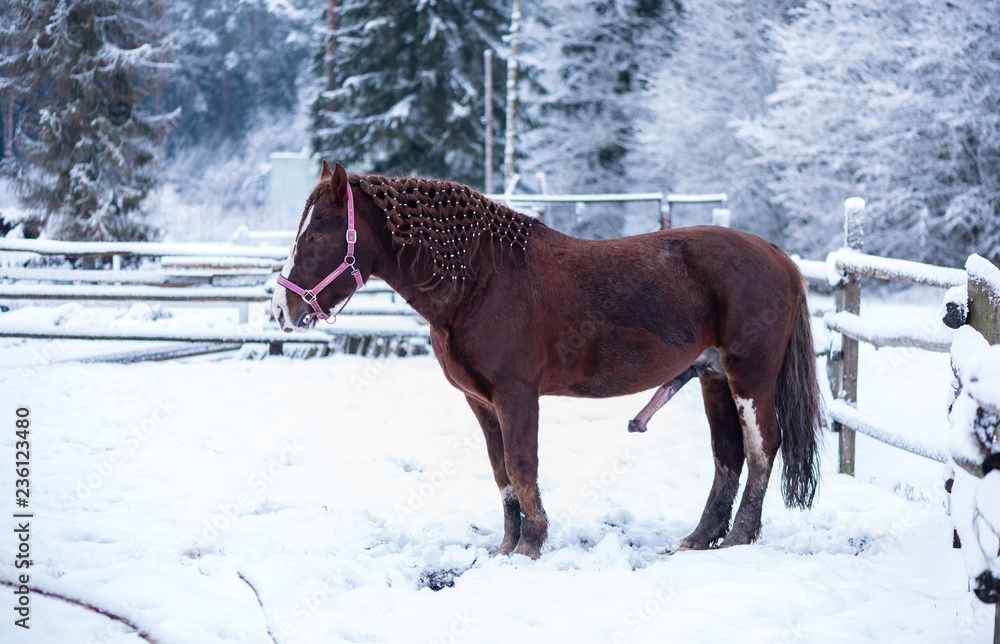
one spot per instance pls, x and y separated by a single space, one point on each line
798 403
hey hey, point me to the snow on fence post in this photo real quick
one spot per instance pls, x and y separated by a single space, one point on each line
665 216
721 217
976 431
848 298
984 298
243 239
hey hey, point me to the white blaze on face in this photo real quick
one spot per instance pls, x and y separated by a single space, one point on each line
279 301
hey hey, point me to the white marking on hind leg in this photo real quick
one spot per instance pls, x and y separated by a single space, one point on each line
753 440
508 494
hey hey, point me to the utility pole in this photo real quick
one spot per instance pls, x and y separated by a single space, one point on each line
331 25
515 30
488 83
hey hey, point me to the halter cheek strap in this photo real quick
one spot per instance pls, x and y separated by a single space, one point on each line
310 295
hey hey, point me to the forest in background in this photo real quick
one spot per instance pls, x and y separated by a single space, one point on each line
133 120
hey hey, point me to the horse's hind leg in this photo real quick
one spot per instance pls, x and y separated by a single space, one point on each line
727 449
487 417
761 439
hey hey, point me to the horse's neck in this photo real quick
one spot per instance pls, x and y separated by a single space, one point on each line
432 305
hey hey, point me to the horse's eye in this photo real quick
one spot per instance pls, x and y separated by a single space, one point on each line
313 238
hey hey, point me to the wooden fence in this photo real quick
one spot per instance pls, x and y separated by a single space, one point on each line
973 299
207 274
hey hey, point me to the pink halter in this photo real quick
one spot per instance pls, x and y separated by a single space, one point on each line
310 295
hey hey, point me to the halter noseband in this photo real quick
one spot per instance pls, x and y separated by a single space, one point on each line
311 295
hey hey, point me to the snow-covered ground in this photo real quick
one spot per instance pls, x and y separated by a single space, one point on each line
215 499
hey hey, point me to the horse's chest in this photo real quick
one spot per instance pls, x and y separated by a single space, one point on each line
459 367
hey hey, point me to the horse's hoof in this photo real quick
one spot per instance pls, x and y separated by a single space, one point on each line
683 548
532 552
506 547
635 427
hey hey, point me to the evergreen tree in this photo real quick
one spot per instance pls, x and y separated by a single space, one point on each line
238 62
594 58
85 146
720 74
895 102
408 91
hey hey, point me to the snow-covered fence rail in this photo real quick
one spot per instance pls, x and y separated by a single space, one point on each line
373 343
141 249
188 273
843 270
972 305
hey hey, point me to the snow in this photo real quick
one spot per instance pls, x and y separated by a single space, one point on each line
140 249
854 222
217 500
899 270
977 364
111 292
847 415
812 270
928 333
981 270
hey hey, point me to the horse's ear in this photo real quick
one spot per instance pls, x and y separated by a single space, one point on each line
338 184
327 172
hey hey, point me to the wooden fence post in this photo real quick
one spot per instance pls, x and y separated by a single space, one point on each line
984 302
849 299
984 316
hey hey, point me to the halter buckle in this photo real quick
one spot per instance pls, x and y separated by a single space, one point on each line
352 236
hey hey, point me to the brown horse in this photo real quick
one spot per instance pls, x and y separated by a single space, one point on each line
518 310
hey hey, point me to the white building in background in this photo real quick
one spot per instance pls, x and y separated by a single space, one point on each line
288 180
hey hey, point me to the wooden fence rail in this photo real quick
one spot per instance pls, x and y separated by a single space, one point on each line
191 274
980 285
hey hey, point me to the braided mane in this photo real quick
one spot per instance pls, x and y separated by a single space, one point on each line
447 223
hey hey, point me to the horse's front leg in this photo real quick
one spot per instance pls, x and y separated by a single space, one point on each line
487 417
517 410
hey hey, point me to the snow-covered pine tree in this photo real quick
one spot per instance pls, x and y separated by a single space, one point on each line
896 101
593 58
721 71
86 144
408 91
238 63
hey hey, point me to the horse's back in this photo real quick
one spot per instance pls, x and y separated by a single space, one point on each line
626 314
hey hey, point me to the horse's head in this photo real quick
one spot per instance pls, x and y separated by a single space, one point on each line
327 262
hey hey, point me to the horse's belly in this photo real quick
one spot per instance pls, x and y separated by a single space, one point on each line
618 362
